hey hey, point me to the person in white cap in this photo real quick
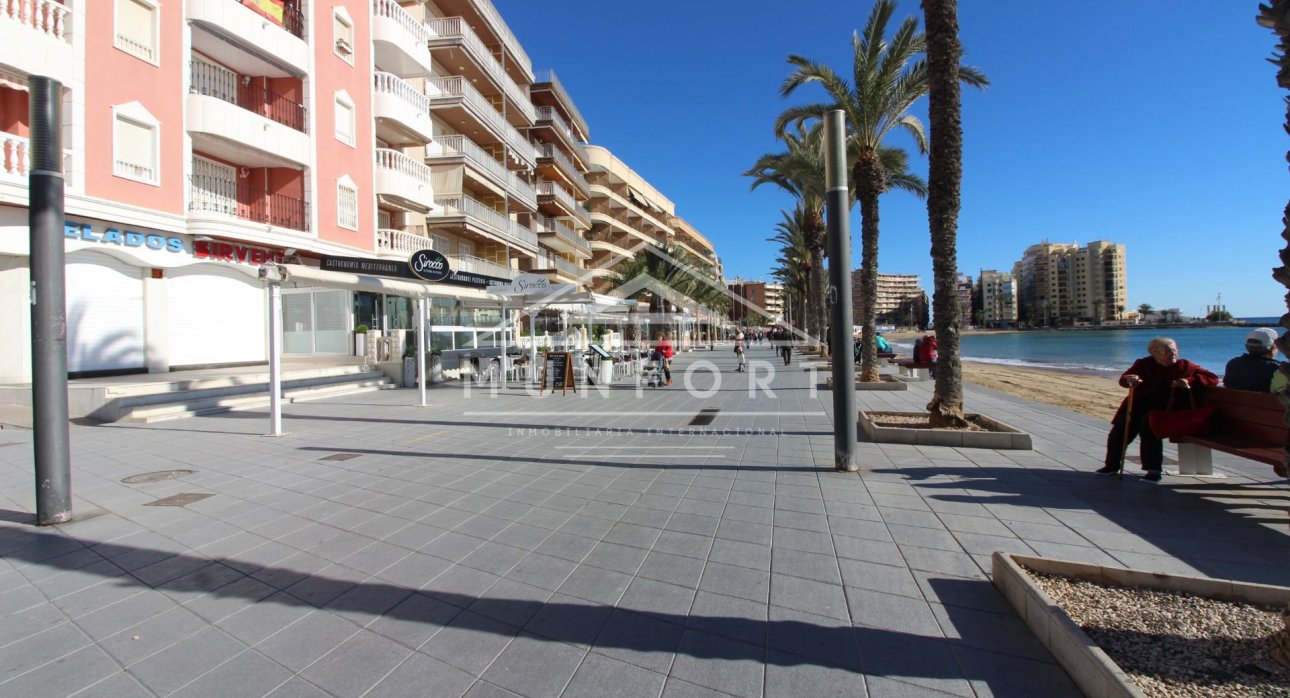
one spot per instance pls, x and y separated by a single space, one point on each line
1253 370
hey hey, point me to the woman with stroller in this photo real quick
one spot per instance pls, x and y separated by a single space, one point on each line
663 356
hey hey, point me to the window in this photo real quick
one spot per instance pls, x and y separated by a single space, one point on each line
343 35
345 124
135 144
136 28
347 204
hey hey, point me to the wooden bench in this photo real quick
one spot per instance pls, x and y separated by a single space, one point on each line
914 369
1245 424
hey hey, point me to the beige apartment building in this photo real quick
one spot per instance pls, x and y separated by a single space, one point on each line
1066 284
754 297
998 293
894 291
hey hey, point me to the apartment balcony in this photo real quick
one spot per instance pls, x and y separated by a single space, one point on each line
457 148
563 200
214 201
483 220
233 34
452 41
612 247
549 118
15 160
559 235
475 265
552 263
488 16
402 111
399 41
550 155
243 122
36 38
546 80
456 101
403 181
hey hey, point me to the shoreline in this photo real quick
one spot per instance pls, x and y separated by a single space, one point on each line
1095 395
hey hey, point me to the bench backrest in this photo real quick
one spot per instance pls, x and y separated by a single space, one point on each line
1246 414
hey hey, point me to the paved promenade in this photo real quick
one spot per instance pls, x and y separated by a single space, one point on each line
500 544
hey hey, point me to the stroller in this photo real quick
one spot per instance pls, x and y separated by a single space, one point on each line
651 375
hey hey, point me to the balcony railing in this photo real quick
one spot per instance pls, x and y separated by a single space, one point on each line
45 16
392 10
476 103
292 19
456 27
562 230
475 265
548 150
15 159
550 114
400 241
486 8
554 262
495 222
477 156
395 160
241 200
548 76
394 85
564 197
219 82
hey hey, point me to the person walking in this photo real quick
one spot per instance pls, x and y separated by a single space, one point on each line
786 344
1152 380
739 351
663 355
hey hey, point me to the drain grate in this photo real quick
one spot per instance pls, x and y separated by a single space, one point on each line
340 456
704 417
156 477
178 500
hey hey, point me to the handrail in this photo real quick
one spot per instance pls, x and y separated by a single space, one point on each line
247 202
456 27
45 16
550 114
486 9
459 144
496 222
548 150
552 189
548 76
562 229
475 265
223 84
399 162
397 86
392 10
394 240
455 86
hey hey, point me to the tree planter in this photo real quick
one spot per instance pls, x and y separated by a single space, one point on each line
434 365
360 344
883 383
1089 664
889 428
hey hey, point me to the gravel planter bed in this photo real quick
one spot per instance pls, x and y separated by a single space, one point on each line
915 428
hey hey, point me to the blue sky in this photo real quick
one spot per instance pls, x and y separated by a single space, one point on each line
1152 126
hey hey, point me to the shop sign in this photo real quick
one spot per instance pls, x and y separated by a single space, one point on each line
233 252
429 265
365 265
73 230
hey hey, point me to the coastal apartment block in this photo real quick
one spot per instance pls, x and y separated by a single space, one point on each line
998 293
203 138
1066 284
755 297
897 294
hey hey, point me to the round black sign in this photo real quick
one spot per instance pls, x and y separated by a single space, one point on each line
429 265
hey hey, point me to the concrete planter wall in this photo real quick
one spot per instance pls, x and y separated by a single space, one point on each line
435 365
999 436
884 383
1091 668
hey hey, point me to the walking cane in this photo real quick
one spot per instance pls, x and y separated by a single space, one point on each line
1124 446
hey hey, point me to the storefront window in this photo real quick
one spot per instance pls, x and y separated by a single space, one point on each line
399 314
443 311
367 309
466 340
441 341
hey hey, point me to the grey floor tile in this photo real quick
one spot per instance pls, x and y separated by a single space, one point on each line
595 585
470 642
891 612
65 675
808 595
740 582
644 641
719 663
186 660
356 665
599 676
302 643
418 673
789 676
246 674
535 666
669 601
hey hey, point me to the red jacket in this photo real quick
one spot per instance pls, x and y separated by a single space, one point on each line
1153 392
664 347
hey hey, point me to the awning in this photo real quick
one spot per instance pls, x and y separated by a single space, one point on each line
382 284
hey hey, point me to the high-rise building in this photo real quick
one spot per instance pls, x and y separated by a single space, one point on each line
203 138
1064 284
895 292
998 294
754 297
966 292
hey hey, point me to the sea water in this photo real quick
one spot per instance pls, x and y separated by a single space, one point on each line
1106 351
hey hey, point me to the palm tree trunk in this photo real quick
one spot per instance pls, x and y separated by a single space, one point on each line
945 173
869 176
1276 16
819 287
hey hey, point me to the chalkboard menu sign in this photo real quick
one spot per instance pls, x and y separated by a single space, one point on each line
557 373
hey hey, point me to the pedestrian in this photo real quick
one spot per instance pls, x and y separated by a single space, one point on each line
1152 380
739 351
663 355
786 344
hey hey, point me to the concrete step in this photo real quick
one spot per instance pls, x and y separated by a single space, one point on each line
140 389
215 404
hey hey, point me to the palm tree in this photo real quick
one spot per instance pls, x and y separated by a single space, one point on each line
945 174
677 271
1144 310
800 171
1275 15
890 77
793 265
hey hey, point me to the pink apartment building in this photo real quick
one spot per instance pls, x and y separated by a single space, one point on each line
205 137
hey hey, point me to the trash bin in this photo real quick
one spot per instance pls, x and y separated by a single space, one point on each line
605 374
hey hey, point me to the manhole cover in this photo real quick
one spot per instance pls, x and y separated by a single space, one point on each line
157 476
178 500
705 416
340 456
